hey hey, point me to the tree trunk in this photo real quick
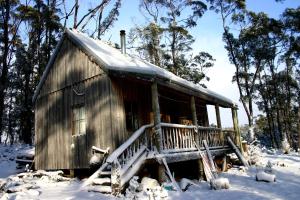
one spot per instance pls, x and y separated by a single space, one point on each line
299 126
3 78
75 14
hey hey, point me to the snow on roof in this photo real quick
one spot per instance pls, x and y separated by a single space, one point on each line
111 59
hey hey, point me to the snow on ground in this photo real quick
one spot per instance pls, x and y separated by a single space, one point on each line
243 185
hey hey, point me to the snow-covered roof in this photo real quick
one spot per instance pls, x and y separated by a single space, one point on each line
111 59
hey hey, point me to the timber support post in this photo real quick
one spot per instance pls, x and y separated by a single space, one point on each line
236 128
157 128
195 123
194 113
219 124
217 108
156 114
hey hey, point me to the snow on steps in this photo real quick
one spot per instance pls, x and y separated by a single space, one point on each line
101 181
128 169
101 189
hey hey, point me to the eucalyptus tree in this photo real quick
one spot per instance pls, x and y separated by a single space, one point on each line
166 41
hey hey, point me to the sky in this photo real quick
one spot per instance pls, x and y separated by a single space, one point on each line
208 35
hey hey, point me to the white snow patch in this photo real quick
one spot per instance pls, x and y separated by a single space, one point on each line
243 185
220 183
263 176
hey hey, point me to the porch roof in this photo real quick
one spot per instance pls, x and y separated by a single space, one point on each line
112 60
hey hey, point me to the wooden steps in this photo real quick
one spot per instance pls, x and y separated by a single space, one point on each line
101 181
101 189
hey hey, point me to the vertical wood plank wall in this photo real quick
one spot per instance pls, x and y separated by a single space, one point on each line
133 91
53 110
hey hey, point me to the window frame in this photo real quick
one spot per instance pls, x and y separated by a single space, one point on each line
79 120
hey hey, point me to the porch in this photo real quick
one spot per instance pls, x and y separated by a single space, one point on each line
172 142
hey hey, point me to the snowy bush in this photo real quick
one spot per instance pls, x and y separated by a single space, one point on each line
285 146
254 154
269 167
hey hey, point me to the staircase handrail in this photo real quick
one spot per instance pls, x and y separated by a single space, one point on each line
116 153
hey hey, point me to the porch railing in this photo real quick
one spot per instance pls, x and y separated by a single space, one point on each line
177 137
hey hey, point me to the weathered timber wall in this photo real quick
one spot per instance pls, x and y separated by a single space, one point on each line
56 148
133 91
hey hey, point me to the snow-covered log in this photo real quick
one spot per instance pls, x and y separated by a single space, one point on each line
263 176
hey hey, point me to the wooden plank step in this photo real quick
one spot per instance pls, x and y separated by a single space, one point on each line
101 181
105 173
101 189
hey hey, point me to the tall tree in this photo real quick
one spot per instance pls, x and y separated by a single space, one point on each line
8 32
166 41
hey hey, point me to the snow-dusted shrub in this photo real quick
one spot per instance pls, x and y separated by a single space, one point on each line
268 168
263 176
254 154
285 146
219 183
251 134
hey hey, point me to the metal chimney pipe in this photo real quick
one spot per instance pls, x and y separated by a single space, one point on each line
123 41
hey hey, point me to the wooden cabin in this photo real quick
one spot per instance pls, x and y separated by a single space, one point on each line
92 94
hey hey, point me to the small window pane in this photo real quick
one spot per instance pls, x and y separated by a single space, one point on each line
82 127
79 123
82 113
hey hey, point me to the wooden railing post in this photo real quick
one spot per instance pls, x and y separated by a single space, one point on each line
198 142
236 127
194 112
219 124
157 128
156 114
218 116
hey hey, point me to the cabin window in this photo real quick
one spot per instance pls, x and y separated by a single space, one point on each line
79 120
131 111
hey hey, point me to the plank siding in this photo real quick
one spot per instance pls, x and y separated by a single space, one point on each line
55 147
128 90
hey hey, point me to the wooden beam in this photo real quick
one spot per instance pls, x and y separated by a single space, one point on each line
193 110
195 93
156 113
217 108
236 128
237 152
174 183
